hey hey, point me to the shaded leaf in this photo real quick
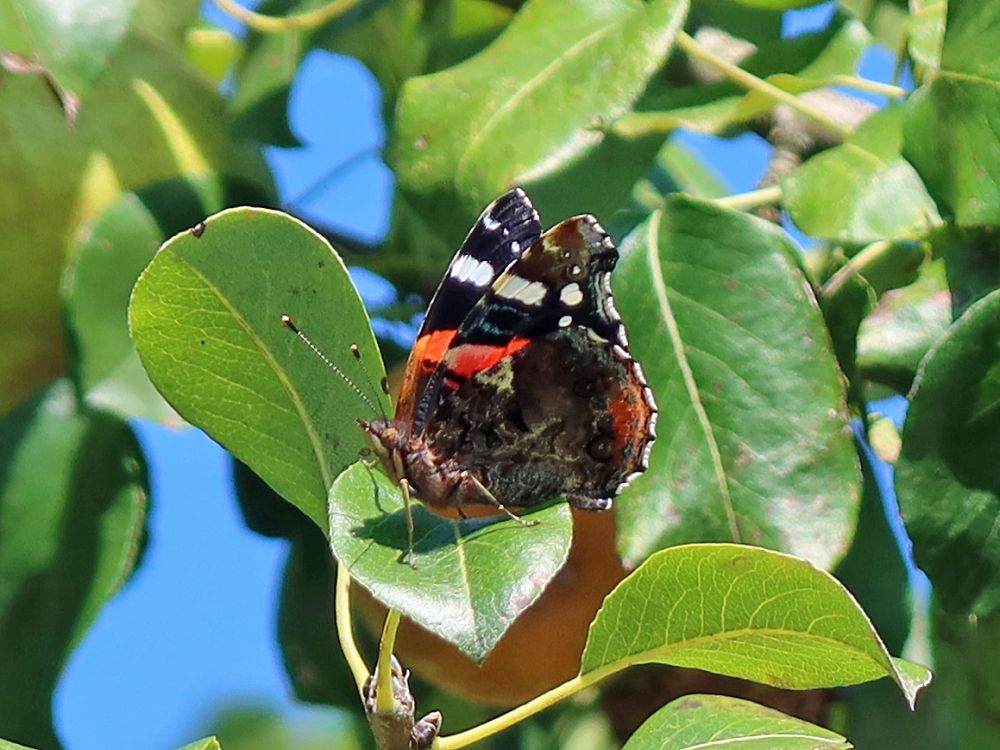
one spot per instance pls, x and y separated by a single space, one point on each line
72 517
947 477
206 320
873 569
753 440
952 123
726 608
862 191
72 41
472 578
405 38
107 260
718 721
307 632
66 177
581 63
264 510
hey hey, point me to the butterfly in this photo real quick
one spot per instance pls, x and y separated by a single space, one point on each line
520 386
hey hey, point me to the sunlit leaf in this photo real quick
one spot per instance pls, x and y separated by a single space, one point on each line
753 443
583 63
695 722
862 191
206 319
744 612
472 578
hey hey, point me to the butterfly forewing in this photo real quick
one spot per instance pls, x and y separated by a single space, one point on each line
504 230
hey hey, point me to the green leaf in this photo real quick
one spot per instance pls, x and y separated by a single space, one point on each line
718 721
70 41
926 27
5 745
206 320
209 743
888 20
947 480
776 4
862 191
212 51
311 653
405 38
472 578
951 124
903 327
258 109
743 612
753 439
107 260
569 69
72 519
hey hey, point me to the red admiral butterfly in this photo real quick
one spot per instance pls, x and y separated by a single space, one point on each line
520 386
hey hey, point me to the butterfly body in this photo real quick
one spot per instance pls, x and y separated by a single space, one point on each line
520 387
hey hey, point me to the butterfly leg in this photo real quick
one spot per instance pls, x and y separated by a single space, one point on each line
410 557
489 496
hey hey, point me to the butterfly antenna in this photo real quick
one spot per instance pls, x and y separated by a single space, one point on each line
384 385
286 320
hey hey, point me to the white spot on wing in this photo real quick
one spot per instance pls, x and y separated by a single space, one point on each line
565 320
571 295
469 270
522 290
490 224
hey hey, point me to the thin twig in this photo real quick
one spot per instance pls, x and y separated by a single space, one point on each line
270 25
751 82
385 701
345 631
767 196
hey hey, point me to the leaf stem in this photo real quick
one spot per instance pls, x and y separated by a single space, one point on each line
767 196
345 632
270 25
751 82
863 84
525 710
858 263
385 701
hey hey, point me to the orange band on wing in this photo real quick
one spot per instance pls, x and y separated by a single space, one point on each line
428 351
470 359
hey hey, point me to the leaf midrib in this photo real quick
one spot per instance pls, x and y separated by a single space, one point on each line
656 654
687 374
533 83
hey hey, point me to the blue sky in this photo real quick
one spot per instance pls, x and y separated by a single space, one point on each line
195 629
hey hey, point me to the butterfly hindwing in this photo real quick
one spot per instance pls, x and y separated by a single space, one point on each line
537 391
